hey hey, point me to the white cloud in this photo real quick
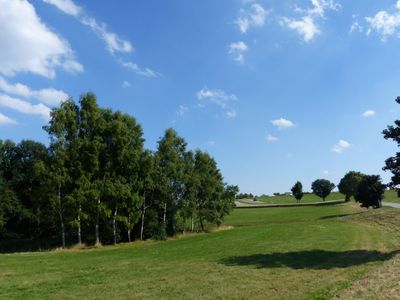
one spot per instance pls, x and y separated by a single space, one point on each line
144 72
220 98
4 120
355 26
253 16
270 138
385 23
282 123
230 114
236 50
216 96
341 146
67 6
24 106
325 172
126 84
368 113
307 26
49 95
28 45
182 110
113 42
211 143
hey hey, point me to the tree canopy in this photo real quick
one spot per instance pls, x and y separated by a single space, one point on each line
348 185
392 164
322 188
370 191
297 191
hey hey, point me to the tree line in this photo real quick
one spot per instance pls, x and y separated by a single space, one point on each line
95 182
366 189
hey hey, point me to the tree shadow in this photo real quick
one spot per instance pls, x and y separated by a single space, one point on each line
339 216
312 259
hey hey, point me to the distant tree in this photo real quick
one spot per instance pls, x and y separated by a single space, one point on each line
392 164
322 188
297 191
349 184
370 191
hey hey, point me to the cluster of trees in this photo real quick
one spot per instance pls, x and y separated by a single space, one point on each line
245 196
366 189
95 182
320 187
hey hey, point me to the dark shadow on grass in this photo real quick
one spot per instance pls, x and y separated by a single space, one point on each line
339 216
312 259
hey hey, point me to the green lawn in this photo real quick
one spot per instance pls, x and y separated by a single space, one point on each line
278 253
391 196
307 198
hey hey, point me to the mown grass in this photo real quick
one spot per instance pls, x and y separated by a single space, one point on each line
391 196
279 253
307 198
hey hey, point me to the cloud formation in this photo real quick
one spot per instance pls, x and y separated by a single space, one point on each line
385 23
368 113
29 46
24 106
49 95
115 45
182 110
282 123
341 146
220 98
4 120
307 26
270 138
113 42
252 16
236 50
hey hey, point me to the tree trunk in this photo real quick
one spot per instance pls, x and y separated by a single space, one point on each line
192 228
165 214
60 212
129 228
79 225
201 224
143 215
115 226
97 223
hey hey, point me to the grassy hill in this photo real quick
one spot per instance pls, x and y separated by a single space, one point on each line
280 253
307 198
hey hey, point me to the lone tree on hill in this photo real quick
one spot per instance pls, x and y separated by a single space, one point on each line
297 191
370 191
322 188
349 184
392 164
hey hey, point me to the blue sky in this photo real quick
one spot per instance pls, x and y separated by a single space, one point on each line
276 91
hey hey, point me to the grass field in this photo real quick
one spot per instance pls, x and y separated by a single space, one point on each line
307 198
391 196
279 253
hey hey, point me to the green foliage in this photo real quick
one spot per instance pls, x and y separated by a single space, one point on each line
322 188
297 190
370 191
348 185
96 183
392 164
